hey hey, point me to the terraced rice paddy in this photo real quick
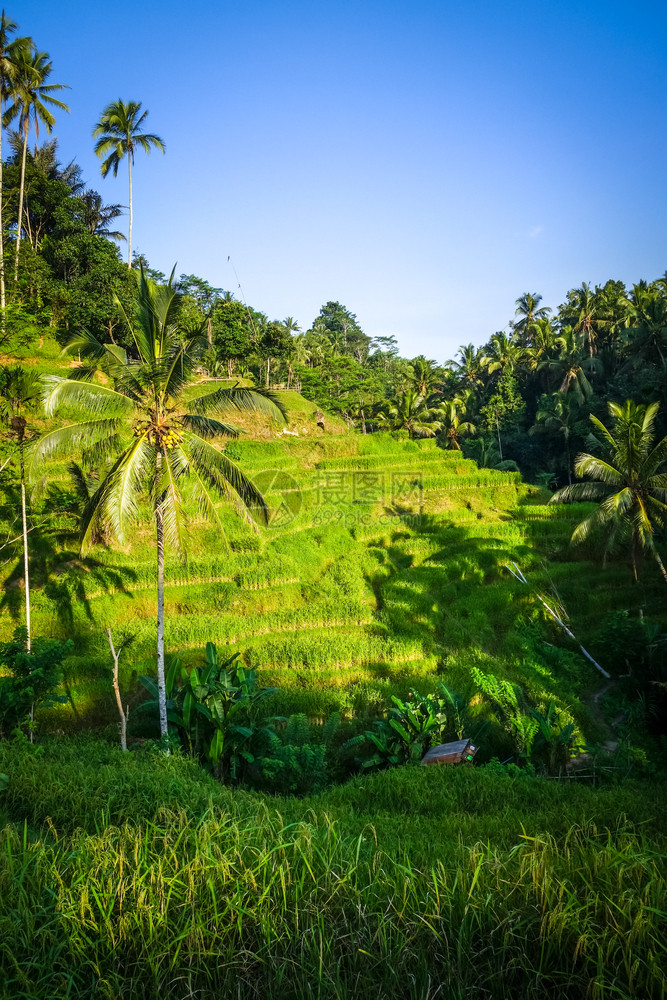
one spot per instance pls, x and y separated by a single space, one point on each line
384 567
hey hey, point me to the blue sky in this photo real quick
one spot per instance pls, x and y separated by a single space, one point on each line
424 164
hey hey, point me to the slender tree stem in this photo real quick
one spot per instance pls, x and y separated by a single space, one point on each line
161 686
25 548
20 215
129 235
123 717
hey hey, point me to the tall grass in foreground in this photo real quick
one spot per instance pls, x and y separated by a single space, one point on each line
468 884
220 908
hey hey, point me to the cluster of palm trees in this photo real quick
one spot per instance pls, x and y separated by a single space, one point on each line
27 100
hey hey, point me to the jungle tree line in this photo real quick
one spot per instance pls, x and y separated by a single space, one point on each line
524 397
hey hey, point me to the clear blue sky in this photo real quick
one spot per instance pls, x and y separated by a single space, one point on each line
425 163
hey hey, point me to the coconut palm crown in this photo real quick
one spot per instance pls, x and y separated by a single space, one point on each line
142 425
118 135
629 483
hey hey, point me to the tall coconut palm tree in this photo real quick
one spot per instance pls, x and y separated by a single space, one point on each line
646 311
32 99
504 353
557 413
410 412
143 424
424 376
471 367
572 366
452 426
589 313
529 311
629 483
18 388
13 54
118 135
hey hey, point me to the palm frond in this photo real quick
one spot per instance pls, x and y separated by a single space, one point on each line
88 396
589 465
122 486
219 472
63 441
170 504
208 427
243 400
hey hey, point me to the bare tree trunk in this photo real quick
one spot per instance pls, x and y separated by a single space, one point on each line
268 369
123 716
129 235
20 215
500 446
161 686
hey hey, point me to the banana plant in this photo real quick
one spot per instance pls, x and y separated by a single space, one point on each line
214 706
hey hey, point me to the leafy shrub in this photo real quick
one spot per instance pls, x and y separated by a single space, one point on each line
410 728
214 708
34 677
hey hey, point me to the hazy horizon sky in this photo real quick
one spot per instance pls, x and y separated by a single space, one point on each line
423 164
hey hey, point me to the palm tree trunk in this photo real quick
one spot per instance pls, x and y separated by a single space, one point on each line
161 686
660 564
20 215
129 235
26 574
500 445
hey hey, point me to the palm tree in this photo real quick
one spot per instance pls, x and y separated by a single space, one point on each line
529 310
12 55
557 413
570 364
470 368
629 483
143 426
589 313
504 353
31 97
118 135
424 376
452 427
646 312
18 388
410 412
97 216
